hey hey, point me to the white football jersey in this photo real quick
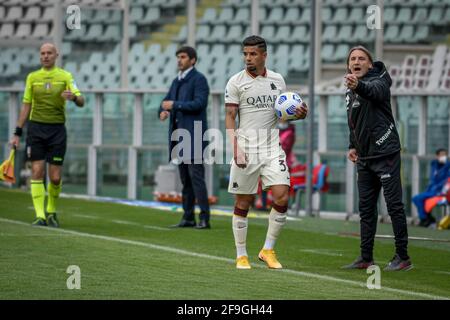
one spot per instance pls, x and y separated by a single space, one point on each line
255 97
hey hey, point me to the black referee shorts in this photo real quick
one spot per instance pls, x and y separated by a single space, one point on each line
46 142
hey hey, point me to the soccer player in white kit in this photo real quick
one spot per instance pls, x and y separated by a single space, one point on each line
257 153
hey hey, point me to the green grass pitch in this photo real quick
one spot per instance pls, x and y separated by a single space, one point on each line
127 252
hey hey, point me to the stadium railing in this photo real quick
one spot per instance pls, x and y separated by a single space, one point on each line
117 141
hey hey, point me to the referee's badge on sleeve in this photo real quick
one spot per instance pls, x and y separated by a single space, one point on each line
74 84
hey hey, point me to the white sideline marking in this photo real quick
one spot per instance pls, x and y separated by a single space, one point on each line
85 216
34 235
140 225
157 228
322 252
128 223
227 260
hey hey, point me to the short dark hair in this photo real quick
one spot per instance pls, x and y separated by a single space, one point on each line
257 41
365 50
192 54
441 150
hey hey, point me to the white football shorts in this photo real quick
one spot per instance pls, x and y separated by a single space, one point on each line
272 169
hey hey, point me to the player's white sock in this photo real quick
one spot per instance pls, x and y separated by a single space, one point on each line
240 226
276 222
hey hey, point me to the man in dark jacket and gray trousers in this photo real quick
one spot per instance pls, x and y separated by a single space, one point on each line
375 148
185 104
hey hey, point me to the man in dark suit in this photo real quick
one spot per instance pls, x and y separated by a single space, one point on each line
185 105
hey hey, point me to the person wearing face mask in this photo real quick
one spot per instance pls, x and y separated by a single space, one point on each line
439 173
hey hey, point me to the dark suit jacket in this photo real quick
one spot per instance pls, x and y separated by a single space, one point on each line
190 96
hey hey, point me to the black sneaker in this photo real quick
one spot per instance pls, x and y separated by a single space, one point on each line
398 264
52 220
359 263
39 222
428 221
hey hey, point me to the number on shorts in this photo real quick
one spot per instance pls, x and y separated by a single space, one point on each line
283 166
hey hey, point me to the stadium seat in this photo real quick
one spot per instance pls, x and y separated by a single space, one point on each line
41 31
209 16
48 15
446 18
391 34
306 16
390 14
407 34
202 33
112 33
275 16
329 34
11 69
268 32
340 16
14 14
226 15
182 35
151 15
327 14
7 30
420 15
95 33
404 15
132 31
435 16
136 14
234 34
327 53
115 17
283 34
341 52
292 16
344 34
71 67
422 33
356 15
23 30
218 33
360 35
242 16
33 14
2 13
99 16
300 34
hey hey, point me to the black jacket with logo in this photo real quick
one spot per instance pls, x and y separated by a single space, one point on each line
372 128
